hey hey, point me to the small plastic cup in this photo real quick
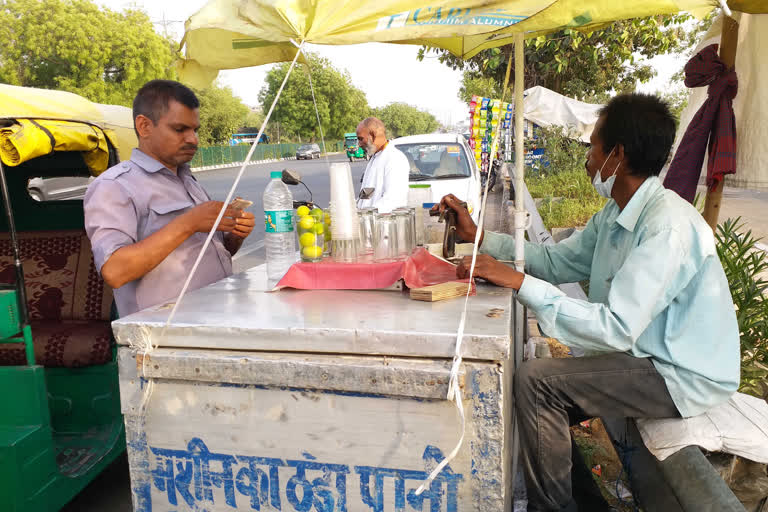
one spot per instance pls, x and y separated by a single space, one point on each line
387 248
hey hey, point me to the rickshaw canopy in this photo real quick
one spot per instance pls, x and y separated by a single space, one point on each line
228 34
36 122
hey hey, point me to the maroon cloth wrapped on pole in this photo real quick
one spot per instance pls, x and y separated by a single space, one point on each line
714 123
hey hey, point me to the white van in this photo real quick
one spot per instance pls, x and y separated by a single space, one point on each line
445 162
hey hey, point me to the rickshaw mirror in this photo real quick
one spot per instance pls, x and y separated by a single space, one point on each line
291 177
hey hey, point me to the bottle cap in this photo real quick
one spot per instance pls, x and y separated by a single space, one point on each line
276 175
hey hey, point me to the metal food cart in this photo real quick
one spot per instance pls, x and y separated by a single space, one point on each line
316 400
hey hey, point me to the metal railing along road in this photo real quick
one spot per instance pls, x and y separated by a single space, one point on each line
207 156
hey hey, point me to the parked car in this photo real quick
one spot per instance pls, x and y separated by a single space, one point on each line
445 162
308 151
58 189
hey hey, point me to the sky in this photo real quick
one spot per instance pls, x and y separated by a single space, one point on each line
385 72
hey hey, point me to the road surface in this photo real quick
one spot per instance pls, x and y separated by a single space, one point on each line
314 174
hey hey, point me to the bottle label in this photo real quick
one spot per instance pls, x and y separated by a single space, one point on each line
278 221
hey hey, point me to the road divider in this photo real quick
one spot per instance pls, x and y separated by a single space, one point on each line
252 162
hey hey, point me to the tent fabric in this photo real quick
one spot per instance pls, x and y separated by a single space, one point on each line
30 138
116 122
229 34
547 108
714 123
750 106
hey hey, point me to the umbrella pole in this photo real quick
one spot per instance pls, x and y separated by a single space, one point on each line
520 224
729 39
520 213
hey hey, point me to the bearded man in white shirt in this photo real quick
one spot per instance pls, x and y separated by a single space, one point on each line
385 182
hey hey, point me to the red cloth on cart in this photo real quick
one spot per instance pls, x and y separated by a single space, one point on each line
421 269
713 124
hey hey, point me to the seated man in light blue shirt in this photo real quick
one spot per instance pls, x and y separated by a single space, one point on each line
659 327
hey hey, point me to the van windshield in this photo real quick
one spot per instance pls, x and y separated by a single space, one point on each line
432 161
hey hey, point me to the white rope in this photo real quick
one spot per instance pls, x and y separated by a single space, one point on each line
454 390
317 114
149 346
726 9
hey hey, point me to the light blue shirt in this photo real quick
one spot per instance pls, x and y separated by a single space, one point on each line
656 289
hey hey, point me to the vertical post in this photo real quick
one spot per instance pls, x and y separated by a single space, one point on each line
520 220
21 291
519 223
729 39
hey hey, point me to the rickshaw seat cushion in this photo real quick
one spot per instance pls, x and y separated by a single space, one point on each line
69 303
60 276
66 344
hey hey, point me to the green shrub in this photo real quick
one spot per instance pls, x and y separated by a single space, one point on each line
573 184
567 213
745 267
562 148
569 199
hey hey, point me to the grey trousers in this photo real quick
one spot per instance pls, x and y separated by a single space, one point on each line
553 394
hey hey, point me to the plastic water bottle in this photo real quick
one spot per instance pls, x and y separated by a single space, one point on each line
279 238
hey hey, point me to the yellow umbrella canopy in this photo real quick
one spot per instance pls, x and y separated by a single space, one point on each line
229 34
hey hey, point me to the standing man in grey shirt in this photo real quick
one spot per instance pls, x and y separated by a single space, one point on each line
148 217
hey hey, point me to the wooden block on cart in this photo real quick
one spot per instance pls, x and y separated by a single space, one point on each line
440 291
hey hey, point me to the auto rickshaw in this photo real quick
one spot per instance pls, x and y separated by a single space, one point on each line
354 152
61 423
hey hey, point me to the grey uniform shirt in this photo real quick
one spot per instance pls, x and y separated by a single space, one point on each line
136 198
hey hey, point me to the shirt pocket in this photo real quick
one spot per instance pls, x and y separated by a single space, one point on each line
163 213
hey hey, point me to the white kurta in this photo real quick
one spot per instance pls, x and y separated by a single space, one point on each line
387 173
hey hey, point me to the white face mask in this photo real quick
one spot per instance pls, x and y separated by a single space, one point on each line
604 187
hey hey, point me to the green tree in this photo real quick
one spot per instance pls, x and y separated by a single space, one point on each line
402 119
254 118
76 46
221 114
340 104
677 99
474 84
577 64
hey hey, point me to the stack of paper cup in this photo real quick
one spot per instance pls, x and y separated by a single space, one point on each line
345 228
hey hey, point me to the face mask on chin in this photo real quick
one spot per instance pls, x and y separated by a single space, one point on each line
604 188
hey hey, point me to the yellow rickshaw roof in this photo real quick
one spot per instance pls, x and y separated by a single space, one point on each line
116 122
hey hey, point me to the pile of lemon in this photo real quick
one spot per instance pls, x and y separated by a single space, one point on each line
313 228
